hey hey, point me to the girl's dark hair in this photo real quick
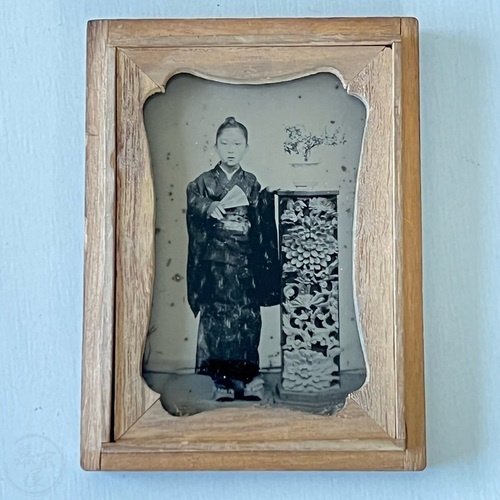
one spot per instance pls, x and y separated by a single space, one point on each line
230 122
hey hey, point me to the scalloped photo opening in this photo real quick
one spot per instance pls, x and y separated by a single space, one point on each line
253 300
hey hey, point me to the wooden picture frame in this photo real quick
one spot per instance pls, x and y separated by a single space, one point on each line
123 425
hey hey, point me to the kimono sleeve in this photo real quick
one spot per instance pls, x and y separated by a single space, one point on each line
265 258
197 203
196 215
255 193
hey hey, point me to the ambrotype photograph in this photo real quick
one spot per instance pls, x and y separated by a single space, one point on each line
253 300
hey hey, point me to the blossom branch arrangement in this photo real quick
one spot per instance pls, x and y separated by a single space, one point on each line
301 142
310 317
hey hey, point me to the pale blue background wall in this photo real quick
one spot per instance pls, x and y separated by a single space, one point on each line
42 86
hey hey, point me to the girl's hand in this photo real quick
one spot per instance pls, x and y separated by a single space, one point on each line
272 189
216 210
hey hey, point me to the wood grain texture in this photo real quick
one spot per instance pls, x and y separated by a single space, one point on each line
248 446
134 245
247 32
399 354
414 396
279 438
156 428
375 259
370 432
98 318
299 460
262 64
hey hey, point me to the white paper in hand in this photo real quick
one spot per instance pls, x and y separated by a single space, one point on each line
235 198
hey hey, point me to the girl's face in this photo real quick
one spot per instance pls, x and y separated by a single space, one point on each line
231 146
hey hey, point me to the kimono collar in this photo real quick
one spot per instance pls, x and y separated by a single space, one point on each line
228 175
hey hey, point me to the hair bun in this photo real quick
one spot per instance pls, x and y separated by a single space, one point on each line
230 122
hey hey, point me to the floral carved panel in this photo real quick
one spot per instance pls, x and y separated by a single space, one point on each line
310 306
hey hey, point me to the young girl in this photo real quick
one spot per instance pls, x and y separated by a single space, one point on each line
232 265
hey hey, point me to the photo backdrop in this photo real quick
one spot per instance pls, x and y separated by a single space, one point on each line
181 126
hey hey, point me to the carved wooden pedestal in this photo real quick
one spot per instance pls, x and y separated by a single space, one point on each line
310 300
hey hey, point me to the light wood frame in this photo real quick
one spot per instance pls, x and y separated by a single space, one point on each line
123 425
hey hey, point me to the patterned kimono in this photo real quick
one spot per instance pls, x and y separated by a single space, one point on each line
232 270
